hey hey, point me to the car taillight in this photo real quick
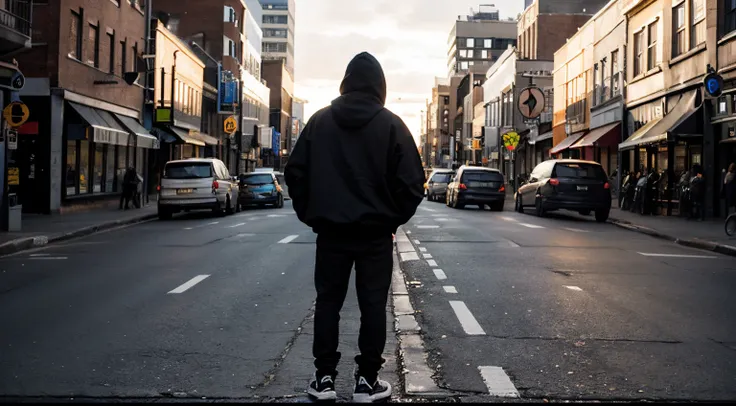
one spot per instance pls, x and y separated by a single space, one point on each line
554 182
215 184
158 188
502 189
606 186
462 186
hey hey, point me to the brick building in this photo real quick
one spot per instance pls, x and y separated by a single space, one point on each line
281 83
85 124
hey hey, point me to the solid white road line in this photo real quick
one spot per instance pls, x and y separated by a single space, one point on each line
427 256
440 274
575 288
236 225
431 262
646 254
422 249
467 320
530 225
449 289
499 384
409 256
433 226
288 239
183 288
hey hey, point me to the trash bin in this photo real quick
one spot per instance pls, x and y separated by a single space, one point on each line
15 213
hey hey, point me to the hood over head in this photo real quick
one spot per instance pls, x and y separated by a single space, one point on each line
363 91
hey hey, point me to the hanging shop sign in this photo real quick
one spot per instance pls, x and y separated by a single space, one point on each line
511 140
16 114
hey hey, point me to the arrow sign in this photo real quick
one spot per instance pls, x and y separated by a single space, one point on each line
531 102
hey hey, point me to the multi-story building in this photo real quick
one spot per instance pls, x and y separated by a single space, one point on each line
478 40
85 118
281 83
438 134
230 32
297 119
723 118
278 31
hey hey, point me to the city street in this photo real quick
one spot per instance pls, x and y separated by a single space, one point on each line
202 307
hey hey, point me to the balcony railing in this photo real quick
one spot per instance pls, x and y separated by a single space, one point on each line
16 15
610 89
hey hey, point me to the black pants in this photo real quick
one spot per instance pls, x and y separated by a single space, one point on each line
126 196
373 259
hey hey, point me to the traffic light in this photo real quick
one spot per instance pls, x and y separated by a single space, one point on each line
476 144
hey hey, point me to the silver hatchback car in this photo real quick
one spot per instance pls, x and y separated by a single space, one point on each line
194 184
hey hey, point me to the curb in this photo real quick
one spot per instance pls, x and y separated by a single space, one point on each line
23 244
692 243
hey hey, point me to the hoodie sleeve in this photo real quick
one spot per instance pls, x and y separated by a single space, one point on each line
296 173
406 174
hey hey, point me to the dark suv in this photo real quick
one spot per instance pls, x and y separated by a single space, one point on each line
568 184
260 189
477 185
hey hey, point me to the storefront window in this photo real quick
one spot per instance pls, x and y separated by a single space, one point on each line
121 167
109 168
98 168
71 168
83 167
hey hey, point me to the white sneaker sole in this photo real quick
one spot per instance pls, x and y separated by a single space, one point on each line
328 395
366 398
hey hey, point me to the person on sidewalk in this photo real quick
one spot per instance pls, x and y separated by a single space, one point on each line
354 177
729 188
130 185
697 193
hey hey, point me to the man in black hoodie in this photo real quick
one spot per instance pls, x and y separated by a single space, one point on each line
354 176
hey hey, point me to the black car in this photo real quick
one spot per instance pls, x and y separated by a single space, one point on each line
477 185
568 184
260 189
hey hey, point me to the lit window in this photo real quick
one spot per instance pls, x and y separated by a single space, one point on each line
470 42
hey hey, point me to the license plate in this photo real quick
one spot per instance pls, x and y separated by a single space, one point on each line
183 191
582 188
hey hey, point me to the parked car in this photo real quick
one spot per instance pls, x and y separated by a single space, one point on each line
477 185
568 184
279 178
436 185
260 189
195 184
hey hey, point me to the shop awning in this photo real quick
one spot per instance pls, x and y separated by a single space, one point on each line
540 138
105 129
677 122
731 140
566 143
600 137
143 138
181 135
207 139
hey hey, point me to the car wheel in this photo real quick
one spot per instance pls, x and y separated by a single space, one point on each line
238 207
539 207
164 214
228 206
601 216
584 212
429 197
217 210
518 206
497 206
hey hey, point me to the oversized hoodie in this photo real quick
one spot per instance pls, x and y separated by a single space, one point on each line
355 169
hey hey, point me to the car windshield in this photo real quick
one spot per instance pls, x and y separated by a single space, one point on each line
579 171
188 170
442 177
256 179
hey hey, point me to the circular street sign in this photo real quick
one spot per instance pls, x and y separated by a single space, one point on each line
16 114
531 102
18 81
713 84
231 125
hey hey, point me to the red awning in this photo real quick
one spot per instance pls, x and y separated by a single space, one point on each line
566 143
606 136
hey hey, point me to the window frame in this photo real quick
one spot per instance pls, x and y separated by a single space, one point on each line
615 73
78 48
697 23
679 34
111 58
95 62
729 13
652 54
638 59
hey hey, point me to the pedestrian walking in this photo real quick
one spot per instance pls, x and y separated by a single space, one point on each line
728 190
697 192
354 177
130 185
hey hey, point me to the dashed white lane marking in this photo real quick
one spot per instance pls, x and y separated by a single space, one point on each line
276 215
427 256
409 256
187 228
408 232
646 254
47 258
213 223
428 226
442 219
575 288
236 225
438 215
530 225
508 219
288 239
466 318
40 255
186 286
577 230
422 249
449 289
499 384
416 242
513 244
431 262
440 274
428 209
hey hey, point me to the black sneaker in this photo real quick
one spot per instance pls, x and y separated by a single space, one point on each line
367 393
322 388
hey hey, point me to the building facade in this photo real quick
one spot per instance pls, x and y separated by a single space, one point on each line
478 40
723 117
85 126
278 31
281 84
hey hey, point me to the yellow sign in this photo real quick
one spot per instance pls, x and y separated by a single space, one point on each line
13 176
16 114
511 140
231 125
476 144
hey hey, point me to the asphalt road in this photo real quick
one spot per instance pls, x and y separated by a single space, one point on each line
569 308
189 308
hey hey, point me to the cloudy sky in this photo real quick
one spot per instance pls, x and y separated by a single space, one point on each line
409 38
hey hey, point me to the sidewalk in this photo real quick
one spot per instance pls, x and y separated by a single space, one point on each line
39 229
709 234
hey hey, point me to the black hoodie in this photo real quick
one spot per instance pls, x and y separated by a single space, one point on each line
355 169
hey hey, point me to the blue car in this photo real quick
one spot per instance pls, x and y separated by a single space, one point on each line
260 189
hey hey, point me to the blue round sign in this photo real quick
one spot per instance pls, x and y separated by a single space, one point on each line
713 84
